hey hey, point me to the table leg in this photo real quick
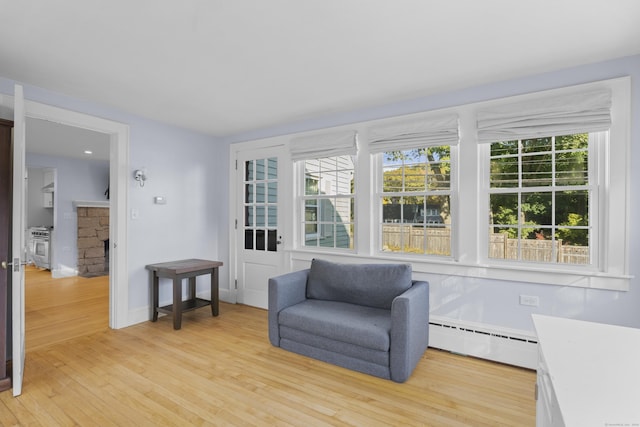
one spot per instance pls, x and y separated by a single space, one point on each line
154 296
192 288
177 303
214 293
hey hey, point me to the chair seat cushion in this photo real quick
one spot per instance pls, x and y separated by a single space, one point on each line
367 327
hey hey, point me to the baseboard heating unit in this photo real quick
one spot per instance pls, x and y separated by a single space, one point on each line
487 342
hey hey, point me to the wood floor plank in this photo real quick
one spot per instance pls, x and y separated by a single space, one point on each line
223 371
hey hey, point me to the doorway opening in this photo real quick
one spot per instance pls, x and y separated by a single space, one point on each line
118 148
66 164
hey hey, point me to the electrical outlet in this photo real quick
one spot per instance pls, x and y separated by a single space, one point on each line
530 300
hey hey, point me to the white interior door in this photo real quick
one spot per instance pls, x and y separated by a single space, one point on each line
18 244
259 249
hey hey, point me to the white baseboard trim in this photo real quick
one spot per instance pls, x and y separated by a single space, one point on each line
143 314
59 273
139 315
489 342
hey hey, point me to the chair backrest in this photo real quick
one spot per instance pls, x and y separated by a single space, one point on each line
372 285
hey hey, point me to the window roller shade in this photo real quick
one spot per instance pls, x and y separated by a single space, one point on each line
324 145
414 133
560 115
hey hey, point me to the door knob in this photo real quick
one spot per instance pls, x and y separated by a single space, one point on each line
16 264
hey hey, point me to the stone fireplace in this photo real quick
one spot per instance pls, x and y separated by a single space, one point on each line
93 241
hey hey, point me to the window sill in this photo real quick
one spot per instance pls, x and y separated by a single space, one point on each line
557 277
449 267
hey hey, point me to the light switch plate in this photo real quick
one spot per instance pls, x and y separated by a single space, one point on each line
530 300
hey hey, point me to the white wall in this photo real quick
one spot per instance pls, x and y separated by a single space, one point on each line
495 302
37 214
187 169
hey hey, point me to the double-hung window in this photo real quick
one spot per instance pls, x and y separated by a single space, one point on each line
326 165
545 180
542 198
533 188
415 188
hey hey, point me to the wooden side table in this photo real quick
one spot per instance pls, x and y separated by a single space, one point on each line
179 270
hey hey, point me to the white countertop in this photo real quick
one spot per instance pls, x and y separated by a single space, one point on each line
594 369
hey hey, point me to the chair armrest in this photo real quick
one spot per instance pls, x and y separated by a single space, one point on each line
284 291
409 330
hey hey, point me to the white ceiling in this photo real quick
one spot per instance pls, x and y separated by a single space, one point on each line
55 139
226 67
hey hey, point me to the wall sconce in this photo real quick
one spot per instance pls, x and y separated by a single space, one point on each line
140 176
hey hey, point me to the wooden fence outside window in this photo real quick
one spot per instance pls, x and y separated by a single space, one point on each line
436 240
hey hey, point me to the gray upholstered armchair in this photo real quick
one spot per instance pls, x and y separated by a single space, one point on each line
371 318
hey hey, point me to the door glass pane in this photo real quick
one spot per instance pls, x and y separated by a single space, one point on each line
248 193
260 216
260 204
272 168
260 192
260 243
248 170
272 240
272 192
273 216
248 239
248 216
259 169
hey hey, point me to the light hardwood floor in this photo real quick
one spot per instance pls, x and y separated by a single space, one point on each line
223 371
57 310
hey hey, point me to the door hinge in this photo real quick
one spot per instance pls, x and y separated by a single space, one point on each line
236 164
236 284
236 224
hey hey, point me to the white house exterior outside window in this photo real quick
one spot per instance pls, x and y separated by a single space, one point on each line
327 171
328 202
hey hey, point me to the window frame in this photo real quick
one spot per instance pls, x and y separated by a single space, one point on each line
596 152
378 194
302 198
610 265
469 208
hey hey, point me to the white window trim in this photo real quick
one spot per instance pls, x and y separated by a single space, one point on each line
299 201
610 270
467 198
469 202
378 194
594 217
